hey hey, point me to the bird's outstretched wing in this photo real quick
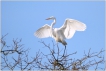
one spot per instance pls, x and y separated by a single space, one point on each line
43 32
70 26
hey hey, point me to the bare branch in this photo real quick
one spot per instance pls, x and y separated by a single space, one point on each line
56 59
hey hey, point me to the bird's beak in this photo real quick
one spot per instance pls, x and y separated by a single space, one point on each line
48 19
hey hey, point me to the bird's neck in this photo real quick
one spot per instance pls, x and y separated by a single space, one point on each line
53 23
52 30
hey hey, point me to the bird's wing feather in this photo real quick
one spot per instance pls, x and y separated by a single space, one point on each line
43 32
70 26
77 25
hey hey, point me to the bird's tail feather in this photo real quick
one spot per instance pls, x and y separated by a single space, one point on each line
64 43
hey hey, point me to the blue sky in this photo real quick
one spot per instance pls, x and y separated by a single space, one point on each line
21 19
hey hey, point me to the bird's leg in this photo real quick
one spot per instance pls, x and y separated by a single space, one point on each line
57 44
64 50
65 47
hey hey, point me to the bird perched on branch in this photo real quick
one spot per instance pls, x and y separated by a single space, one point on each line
67 30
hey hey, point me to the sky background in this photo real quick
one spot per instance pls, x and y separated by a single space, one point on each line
21 19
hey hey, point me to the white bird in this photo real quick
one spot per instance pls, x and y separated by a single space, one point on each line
67 31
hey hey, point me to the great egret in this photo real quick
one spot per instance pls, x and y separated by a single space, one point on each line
60 34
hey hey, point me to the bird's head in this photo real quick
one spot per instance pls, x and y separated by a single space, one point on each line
51 18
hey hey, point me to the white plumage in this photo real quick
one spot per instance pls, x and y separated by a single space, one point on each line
43 32
67 31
